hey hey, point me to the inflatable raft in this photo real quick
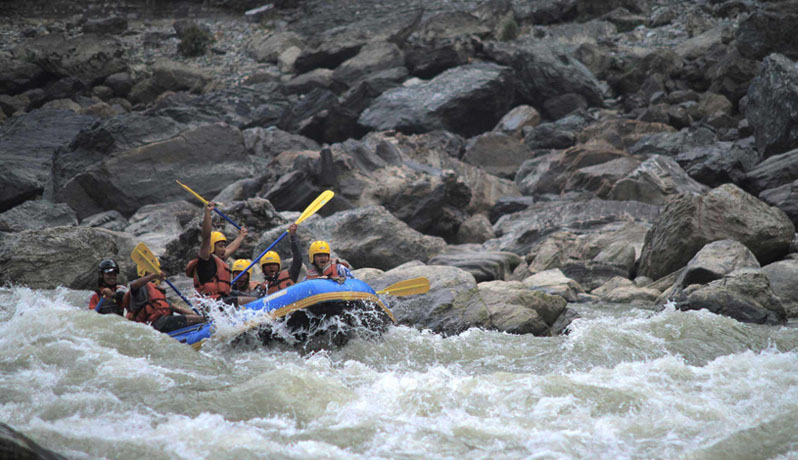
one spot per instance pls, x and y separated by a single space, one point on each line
301 310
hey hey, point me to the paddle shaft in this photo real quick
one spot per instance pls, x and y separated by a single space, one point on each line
205 202
233 283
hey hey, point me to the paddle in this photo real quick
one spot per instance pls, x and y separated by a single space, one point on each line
144 257
320 201
408 287
205 202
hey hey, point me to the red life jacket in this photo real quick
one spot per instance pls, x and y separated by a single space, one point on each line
154 307
283 281
108 306
218 285
330 271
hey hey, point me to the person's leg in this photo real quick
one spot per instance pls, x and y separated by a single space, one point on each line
170 323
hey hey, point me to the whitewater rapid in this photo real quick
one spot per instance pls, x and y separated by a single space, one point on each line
625 383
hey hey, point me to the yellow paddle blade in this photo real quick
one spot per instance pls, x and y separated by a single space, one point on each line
143 257
320 201
408 287
188 189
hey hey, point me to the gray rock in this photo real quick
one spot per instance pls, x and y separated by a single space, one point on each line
374 57
123 181
270 142
18 75
158 224
620 253
622 290
36 258
109 220
714 261
772 107
114 25
443 41
466 100
168 76
720 163
27 159
554 282
784 197
689 222
475 229
17 445
37 214
305 83
744 295
591 274
498 154
601 178
267 46
88 57
484 265
559 134
654 181
452 305
768 31
517 310
783 277
773 172
514 121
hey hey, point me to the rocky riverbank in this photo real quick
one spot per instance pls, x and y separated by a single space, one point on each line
524 156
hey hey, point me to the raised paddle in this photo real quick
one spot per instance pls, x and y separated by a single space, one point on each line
205 202
320 201
407 287
143 257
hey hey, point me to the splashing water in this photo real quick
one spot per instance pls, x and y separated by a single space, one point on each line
625 383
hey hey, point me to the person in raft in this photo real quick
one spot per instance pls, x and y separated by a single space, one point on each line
146 303
324 267
270 265
108 296
244 285
211 274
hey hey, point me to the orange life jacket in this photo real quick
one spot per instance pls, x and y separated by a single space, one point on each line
218 285
153 308
283 281
330 271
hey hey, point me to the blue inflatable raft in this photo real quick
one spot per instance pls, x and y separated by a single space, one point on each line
302 307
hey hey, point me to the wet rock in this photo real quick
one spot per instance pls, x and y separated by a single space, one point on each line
452 305
622 290
783 276
714 261
497 154
466 100
37 214
514 122
515 309
772 107
484 265
36 258
689 222
591 274
88 57
654 181
744 295
554 282
17 445
27 159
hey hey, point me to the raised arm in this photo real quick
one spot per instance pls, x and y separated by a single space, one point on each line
296 256
232 247
205 246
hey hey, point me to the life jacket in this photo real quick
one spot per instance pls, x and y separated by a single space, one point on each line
107 306
283 281
218 285
330 271
147 310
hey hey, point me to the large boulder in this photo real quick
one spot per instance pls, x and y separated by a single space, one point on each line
772 107
18 75
714 261
498 154
784 197
168 76
87 57
27 157
554 282
374 57
783 276
744 295
158 224
466 100
516 309
267 46
37 214
484 265
443 41
452 305
767 31
370 237
269 142
771 173
623 290
546 69
37 258
688 222
654 181
720 163
124 181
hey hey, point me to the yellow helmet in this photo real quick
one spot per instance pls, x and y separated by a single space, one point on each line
270 257
318 247
241 264
215 238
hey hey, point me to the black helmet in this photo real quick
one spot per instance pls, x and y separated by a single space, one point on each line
108 265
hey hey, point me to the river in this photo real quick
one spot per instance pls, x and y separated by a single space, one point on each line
625 383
